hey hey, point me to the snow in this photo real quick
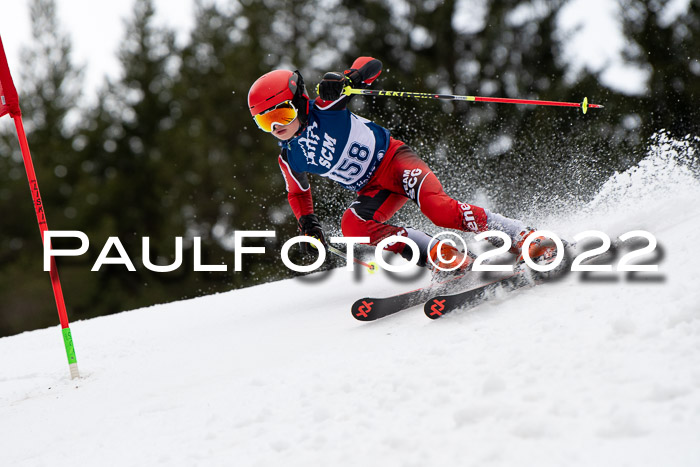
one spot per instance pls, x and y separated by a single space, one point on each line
577 372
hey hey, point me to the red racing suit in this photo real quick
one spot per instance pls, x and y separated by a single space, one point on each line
400 176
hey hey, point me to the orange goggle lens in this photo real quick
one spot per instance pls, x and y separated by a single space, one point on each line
282 114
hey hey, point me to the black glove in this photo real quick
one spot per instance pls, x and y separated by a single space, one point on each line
331 87
309 225
333 83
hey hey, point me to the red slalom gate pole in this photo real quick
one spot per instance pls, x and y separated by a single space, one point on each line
43 227
9 103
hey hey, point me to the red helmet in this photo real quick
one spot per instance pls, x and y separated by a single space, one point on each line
275 87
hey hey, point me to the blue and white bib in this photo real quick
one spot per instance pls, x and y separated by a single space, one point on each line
339 145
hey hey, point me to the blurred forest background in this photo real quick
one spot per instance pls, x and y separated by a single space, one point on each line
169 148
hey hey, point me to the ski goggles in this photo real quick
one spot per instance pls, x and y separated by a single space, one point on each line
283 113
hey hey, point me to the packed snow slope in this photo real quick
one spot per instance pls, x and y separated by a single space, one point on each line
604 371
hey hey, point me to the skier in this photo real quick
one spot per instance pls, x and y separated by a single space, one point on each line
323 137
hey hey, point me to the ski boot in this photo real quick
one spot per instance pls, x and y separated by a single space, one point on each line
541 249
447 261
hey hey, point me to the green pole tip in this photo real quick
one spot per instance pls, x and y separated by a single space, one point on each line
68 341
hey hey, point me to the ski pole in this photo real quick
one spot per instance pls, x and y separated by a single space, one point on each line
584 105
371 267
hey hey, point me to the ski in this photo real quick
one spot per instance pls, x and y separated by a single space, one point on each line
372 308
442 304
444 299
522 277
